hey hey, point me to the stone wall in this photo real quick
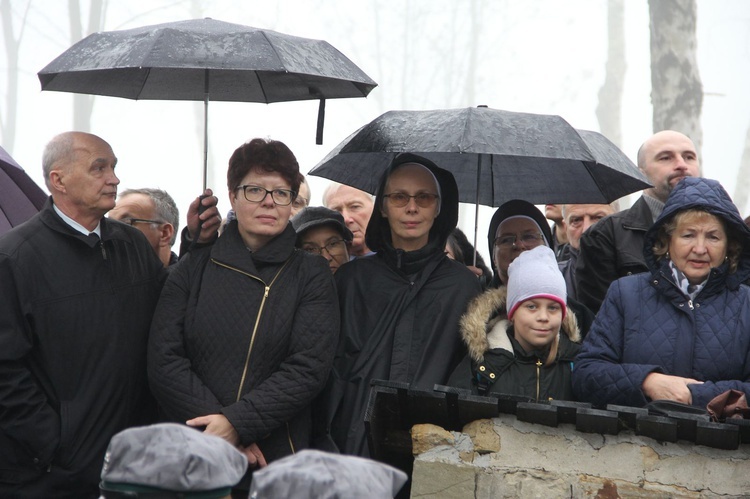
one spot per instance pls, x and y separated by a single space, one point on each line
504 457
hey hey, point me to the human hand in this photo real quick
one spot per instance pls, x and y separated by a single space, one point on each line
209 215
476 270
658 386
254 456
217 424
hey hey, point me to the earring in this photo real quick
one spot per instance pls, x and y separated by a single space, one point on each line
667 255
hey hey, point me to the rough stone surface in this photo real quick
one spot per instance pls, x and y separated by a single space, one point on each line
541 461
426 436
483 435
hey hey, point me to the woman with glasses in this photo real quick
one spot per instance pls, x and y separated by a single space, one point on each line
323 232
399 307
244 333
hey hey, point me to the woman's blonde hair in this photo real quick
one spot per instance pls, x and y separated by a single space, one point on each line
663 236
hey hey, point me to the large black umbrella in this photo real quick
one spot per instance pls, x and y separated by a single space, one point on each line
20 197
205 59
494 155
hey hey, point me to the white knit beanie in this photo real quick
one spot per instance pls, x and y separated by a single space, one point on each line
535 274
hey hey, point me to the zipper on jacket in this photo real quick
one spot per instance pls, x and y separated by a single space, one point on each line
257 318
538 376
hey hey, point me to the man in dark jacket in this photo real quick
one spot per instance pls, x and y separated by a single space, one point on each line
400 308
614 247
78 294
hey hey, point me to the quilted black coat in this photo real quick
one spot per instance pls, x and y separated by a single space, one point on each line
248 335
399 315
646 324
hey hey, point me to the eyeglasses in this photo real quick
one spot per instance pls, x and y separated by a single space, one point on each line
133 221
528 240
300 202
423 199
336 246
256 194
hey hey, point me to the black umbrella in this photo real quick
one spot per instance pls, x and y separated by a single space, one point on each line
494 155
205 59
20 197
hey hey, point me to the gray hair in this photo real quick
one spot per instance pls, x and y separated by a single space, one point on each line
615 205
165 207
58 150
334 186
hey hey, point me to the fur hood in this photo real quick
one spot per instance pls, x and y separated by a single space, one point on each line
485 322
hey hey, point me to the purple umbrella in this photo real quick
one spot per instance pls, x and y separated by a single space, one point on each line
20 197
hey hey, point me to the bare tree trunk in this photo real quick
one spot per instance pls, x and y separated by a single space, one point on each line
83 105
12 47
609 109
676 88
742 188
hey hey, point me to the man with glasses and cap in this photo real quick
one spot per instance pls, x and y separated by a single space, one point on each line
321 231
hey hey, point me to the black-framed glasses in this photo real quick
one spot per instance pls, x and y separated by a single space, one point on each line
528 240
133 221
423 199
256 194
335 247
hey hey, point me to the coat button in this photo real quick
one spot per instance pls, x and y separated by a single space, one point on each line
682 304
482 368
656 281
492 375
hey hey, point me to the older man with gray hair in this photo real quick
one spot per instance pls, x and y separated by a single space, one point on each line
153 212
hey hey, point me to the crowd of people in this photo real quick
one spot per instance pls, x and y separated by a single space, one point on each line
250 337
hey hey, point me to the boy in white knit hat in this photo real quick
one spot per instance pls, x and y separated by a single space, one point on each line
521 341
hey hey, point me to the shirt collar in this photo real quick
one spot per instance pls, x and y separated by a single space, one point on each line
76 226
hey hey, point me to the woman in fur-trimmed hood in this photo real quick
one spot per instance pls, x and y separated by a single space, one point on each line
520 339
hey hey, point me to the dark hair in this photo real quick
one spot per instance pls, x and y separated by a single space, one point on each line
664 234
463 251
264 155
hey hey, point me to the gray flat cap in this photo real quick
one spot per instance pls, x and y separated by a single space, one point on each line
171 457
313 473
315 216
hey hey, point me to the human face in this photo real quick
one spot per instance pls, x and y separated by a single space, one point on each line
258 223
302 200
86 187
410 225
698 243
503 255
579 217
666 158
318 237
356 207
140 206
536 323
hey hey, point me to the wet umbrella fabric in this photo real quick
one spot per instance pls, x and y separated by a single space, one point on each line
494 155
20 197
206 59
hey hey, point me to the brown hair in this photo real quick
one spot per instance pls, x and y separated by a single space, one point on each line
263 155
661 241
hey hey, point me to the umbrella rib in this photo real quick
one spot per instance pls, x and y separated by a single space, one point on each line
257 75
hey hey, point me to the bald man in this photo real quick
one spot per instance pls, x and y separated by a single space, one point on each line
78 294
613 248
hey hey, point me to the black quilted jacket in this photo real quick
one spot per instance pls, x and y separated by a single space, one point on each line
646 324
248 335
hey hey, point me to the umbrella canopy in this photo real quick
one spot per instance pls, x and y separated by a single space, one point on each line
206 59
494 155
20 197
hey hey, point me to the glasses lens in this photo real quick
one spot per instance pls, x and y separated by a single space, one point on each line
335 246
254 194
505 241
530 240
282 197
425 199
398 199
314 250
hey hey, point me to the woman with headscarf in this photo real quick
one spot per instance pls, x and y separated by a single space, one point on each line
399 307
681 331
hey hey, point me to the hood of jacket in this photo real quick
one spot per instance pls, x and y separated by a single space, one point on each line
707 195
484 324
378 237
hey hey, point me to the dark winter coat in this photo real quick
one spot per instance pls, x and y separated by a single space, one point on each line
399 313
646 323
247 335
610 249
497 363
74 321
